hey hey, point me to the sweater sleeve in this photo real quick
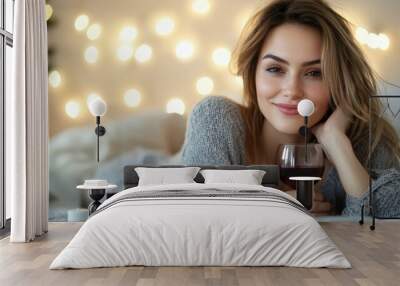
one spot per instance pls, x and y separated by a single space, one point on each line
333 191
215 134
385 187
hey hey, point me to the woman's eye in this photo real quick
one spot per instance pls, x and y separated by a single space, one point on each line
274 70
315 73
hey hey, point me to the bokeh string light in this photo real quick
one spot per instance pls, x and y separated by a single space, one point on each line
372 40
132 97
204 85
91 54
55 78
201 6
164 26
49 11
94 31
81 22
143 53
72 109
175 105
185 50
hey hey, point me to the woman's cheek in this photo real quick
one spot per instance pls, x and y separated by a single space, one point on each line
318 93
264 89
282 123
321 110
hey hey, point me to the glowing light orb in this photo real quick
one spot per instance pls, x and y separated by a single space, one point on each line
175 105
132 97
384 41
72 108
49 11
93 32
165 26
204 85
81 22
143 53
91 55
124 52
201 6
128 34
184 50
55 79
221 56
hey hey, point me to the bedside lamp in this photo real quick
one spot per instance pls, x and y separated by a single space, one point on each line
98 108
305 108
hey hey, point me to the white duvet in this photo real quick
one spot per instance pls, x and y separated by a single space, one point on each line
200 231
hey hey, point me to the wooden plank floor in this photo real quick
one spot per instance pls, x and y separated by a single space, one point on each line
375 257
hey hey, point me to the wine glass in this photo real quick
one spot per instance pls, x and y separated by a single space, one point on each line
300 160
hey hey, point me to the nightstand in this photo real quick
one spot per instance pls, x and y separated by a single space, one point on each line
305 189
111 192
97 189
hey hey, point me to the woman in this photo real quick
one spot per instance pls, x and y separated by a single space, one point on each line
291 50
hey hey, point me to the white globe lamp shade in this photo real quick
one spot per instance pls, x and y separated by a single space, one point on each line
97 107
305 107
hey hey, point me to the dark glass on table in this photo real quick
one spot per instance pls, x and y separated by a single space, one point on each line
297 160
293 162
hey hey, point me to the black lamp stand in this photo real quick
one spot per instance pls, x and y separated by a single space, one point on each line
100 131
304 132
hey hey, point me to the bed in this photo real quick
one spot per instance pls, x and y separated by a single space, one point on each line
201 224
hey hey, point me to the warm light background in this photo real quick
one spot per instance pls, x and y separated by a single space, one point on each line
164 76
143 133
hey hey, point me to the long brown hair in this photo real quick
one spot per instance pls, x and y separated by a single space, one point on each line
348 75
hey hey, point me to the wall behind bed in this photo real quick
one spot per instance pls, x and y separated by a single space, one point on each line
149 86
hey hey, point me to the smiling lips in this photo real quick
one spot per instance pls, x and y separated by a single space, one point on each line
287 109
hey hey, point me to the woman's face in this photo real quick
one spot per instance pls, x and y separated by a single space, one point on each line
289 70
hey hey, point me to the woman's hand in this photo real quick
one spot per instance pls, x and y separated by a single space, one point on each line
339 150
331 134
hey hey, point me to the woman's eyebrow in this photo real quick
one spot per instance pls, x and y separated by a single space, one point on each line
278 59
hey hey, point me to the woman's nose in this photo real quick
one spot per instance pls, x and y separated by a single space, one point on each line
293 87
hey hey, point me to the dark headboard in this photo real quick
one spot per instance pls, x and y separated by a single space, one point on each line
270 179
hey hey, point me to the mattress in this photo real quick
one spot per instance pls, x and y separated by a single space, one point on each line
201 225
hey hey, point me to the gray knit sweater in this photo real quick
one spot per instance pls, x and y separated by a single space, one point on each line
216 136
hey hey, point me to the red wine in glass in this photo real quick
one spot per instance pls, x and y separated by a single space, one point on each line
293 162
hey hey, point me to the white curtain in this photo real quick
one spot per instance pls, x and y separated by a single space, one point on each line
27 124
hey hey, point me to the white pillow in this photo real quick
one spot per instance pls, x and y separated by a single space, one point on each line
248 177
163 176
